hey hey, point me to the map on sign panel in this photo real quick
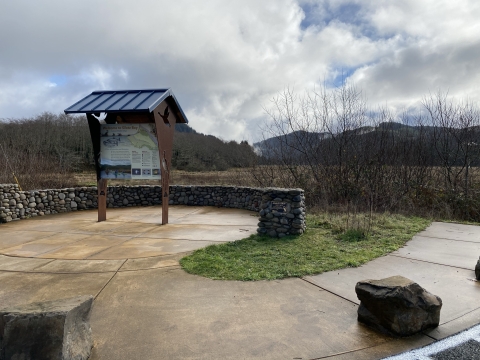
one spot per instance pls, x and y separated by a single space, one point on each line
129 151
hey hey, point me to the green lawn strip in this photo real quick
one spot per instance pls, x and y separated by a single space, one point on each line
326 245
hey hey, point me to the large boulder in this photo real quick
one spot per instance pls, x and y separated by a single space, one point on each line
53 330
397 306
477 270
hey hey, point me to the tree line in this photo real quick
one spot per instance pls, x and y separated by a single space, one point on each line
43 151
46 150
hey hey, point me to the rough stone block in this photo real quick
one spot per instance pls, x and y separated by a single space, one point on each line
477 270
397 306
51 330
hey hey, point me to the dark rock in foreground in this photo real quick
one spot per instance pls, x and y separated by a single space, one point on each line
397 306
50 330
477 270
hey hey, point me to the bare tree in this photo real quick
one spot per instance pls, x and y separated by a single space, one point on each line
345 154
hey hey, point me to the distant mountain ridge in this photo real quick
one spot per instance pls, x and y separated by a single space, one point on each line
301 135
392 134
290 139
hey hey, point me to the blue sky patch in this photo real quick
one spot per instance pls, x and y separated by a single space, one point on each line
342 74
58 79
322 14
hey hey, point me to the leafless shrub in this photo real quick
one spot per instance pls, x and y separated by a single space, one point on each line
43 151
344 154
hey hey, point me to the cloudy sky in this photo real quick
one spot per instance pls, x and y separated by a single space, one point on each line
225 60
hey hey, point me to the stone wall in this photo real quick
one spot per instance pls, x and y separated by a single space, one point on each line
16 204
282 211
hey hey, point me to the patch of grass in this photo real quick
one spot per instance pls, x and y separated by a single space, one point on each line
326 245
353 235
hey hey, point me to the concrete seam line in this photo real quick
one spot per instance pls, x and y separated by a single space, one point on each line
216 225
59 247
190 213
458 317
120 267
108 282
431 262
46 237
39 266
431 237
108 248
154 268
331 292
133 236
58 272
142 257
25 257
429 336
351 351
217 241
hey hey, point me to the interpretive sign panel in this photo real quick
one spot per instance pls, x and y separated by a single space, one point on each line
129 151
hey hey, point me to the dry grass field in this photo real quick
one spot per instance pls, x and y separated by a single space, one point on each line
233 177
426 191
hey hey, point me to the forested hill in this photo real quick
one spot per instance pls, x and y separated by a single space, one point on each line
434 145
61 143
193 151
184 128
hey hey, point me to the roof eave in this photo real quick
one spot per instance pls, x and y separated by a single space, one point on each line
166 94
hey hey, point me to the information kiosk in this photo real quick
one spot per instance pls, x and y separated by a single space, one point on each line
132 135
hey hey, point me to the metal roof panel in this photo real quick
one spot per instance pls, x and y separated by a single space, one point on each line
112 101
96 102
138 100
122 102
117 100
145 100
79 104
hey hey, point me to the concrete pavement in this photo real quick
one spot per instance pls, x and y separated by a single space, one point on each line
128 233
147 307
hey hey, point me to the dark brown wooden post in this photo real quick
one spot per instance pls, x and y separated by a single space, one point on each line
165 121
102 199
165 197
94 126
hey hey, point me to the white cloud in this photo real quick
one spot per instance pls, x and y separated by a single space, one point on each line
442 41
224 60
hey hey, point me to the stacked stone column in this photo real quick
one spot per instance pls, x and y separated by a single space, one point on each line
282 212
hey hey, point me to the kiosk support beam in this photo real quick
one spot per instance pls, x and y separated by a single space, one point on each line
165 121
94 126
102 199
